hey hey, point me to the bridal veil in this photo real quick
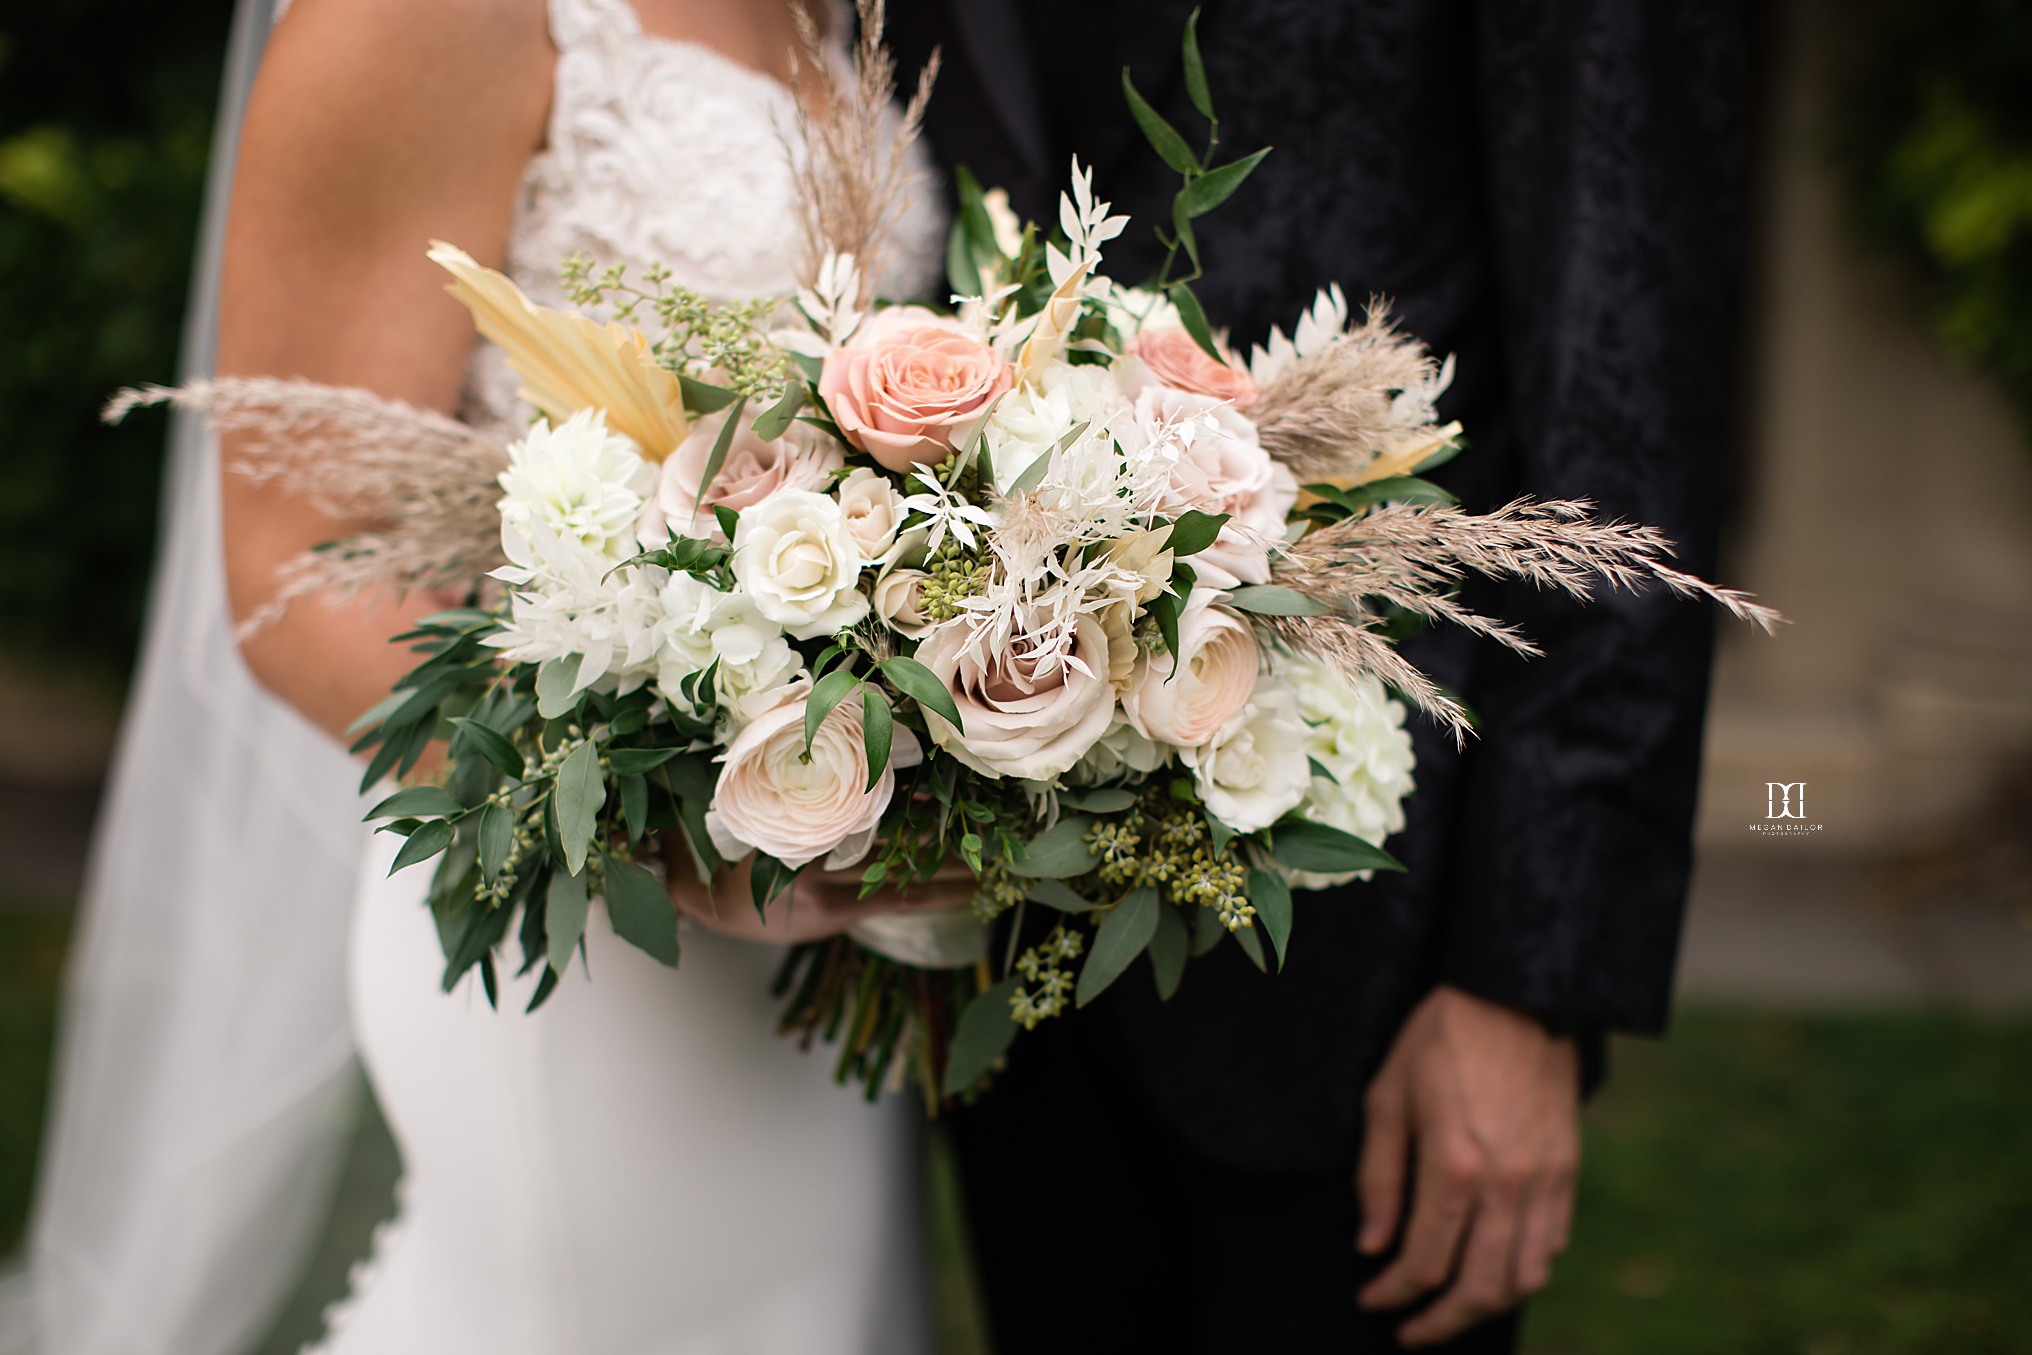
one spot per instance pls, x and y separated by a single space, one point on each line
205 1084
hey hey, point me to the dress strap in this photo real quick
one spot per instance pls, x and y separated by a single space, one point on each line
591 23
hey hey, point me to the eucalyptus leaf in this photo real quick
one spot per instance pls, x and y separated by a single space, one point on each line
490 745
564 916
1325 850
1167 951
1108 800
636 761
426 842
1272 899
770 425
1195 69
921 685
1163 137
1275 599
1216 186
702 397
635 805
877 733
1207 930
1059 895
1194 319
496 836
378 713
721 445
768 877
830 690
639 907
961 273
1194 531
1395 489
986 1028
581 790
1060 852
556 684
419 802
1121 937
1181 225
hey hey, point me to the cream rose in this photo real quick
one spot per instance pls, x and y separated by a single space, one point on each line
772 798
803 458
1255 769
1180 363
899 600
1022 713
794 556
873 509
911 386
1217 665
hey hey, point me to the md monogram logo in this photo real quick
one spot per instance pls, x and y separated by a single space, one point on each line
1784 811
1785 799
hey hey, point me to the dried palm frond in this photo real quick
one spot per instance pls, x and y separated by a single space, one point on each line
571 362
852 176
1357 408
1413 555
428 483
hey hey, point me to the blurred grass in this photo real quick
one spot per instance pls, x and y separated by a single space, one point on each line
1826 1185
1804 1185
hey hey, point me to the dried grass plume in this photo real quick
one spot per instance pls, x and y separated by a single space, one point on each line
852 175
428 483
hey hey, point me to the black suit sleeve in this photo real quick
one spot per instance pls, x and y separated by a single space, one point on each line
1613 140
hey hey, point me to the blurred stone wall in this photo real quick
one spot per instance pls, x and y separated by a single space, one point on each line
1886 510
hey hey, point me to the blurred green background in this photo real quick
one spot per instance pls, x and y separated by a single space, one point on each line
1829 1156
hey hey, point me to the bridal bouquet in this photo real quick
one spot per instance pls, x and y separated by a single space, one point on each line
1050 581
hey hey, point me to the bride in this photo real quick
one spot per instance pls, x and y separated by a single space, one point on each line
643 1166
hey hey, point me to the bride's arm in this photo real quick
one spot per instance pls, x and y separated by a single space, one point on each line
375 126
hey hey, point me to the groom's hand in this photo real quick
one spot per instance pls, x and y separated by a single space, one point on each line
1477 1111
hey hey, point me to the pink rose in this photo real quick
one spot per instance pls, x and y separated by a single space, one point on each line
911 386
1217 660
1178 362
1222 468
802 458
771 798
1022 713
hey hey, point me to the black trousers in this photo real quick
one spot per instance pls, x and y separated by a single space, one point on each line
1098 1230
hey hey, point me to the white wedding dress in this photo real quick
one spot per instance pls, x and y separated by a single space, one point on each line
642 1167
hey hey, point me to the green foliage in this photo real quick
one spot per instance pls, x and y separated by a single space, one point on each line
1936 138
105 125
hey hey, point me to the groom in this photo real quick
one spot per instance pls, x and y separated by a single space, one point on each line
1378 1146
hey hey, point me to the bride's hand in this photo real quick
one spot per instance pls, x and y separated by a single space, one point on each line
818 904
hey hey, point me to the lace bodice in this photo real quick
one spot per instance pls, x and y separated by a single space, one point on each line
664 151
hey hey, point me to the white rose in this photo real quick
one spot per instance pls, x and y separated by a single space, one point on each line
1221 467
772 798
579 480
706 626
794 556
873 509
1217 666
899 600
1357 733
1023 713
1030 420
1254 770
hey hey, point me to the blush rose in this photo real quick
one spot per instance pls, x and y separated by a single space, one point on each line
911 386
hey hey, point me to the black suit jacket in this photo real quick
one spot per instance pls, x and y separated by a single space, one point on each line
1552 191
